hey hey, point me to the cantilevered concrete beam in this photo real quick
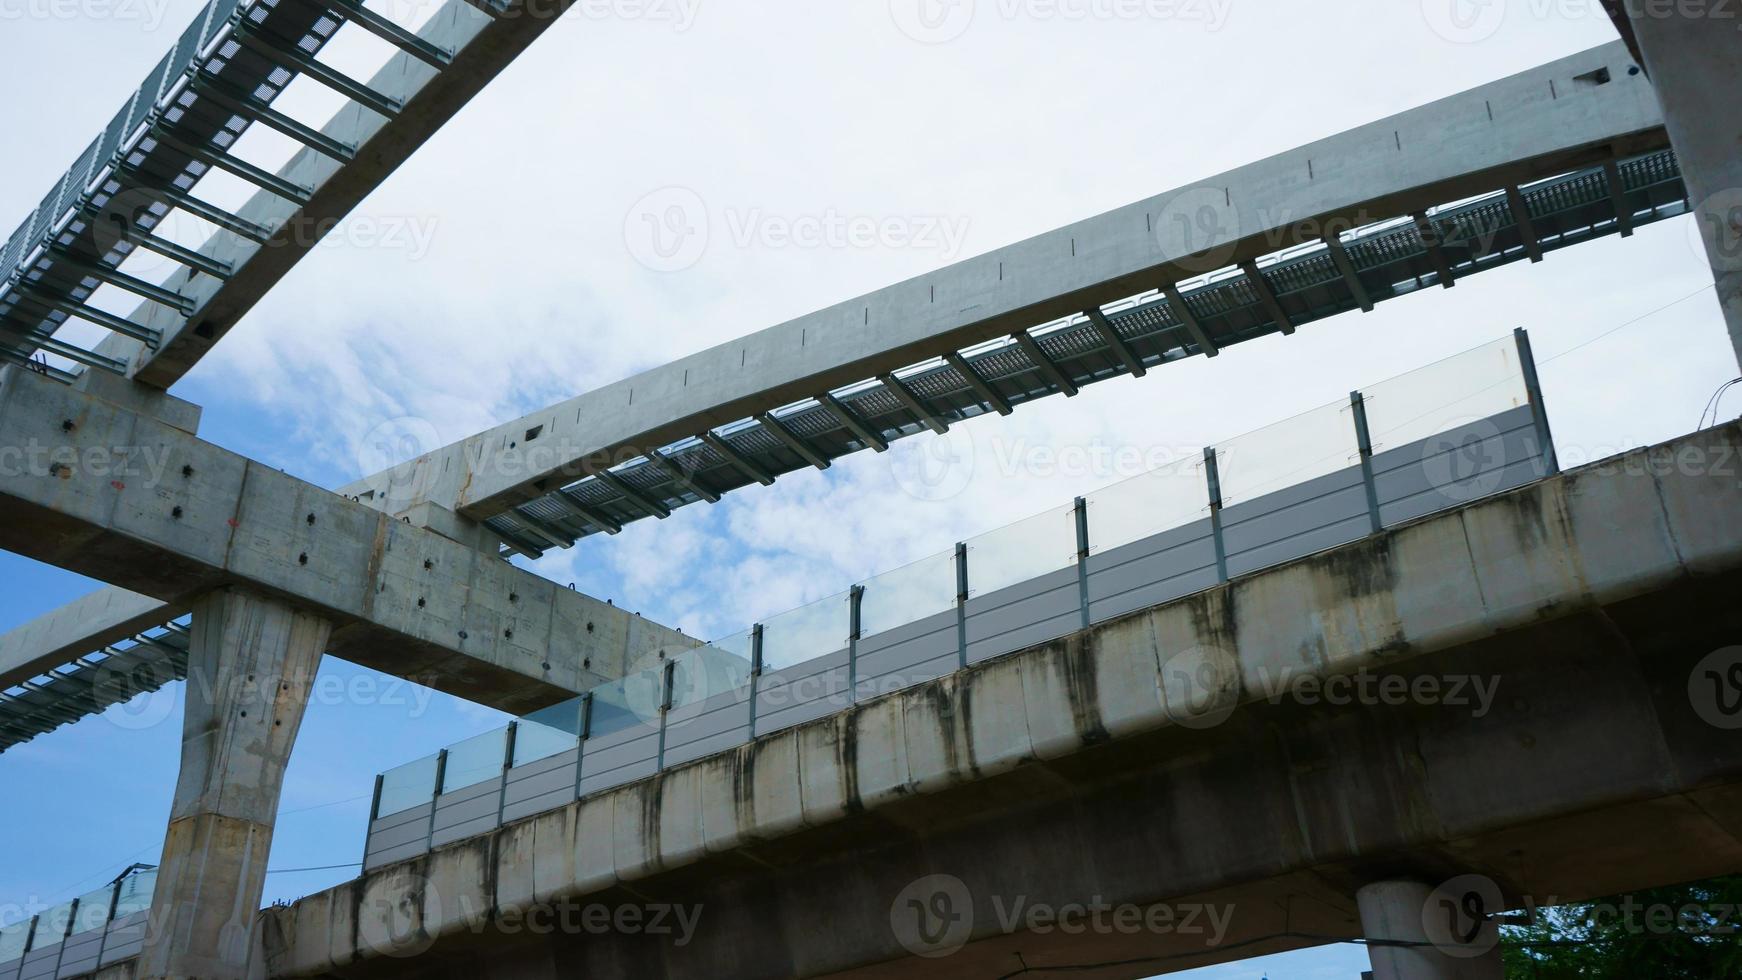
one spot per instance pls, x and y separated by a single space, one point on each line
1267 297
1430 236
1182 311
1534 124
98 490
1111 338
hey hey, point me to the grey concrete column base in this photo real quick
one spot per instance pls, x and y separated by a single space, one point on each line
1406 913
251 667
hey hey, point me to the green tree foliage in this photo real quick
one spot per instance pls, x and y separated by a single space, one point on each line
1684 932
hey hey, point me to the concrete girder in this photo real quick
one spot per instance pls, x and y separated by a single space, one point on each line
122 497
1534 124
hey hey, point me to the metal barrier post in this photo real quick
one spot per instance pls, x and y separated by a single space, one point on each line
1081 511
755 673
507 764
114 900
855 608
65 934
1538 414
1364 442
962 605
435 796
369 830
582 731
1213 477
29 943
667 678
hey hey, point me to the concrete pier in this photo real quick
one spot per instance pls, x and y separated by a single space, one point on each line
1692 56
252 665
1413 934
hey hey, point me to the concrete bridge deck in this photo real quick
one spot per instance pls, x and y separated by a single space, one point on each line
1157 760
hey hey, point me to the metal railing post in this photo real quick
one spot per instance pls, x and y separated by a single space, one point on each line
755 673
855 610
1213 478
1081 511
1364 444
65 934
507 765
582 731
109 920
962 605
29 943
435 796
667 677
1538 413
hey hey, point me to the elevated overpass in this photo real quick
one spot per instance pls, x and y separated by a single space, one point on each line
225 75
274 569
1162 758
1506 172
1561 153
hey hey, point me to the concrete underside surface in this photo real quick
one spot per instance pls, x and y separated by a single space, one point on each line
1083 770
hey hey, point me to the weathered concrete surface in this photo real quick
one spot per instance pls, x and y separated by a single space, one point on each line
1394 910
96 489
1105 765
1535 124
80 627
251 667
1695 64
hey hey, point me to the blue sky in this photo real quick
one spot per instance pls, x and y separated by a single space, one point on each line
499 271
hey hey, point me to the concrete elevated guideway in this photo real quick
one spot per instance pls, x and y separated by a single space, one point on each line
223 76
867 370
1151 761
1559 116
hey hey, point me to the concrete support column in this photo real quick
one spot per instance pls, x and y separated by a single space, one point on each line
1401 912
251 667
1694 56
